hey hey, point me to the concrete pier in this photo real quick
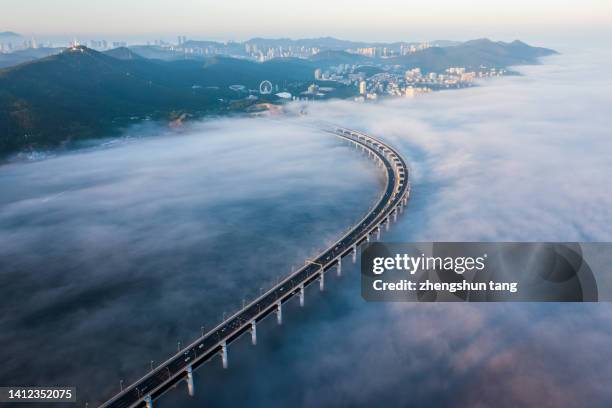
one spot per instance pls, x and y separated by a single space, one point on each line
279 313
354 253
322 281
302 295
254 332
148 401
190 386
224 354
378 233
339 267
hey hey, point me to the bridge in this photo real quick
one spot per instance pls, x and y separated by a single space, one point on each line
181 366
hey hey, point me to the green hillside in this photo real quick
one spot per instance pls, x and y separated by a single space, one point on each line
82 93
473 54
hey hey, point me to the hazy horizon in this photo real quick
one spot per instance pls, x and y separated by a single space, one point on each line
240 20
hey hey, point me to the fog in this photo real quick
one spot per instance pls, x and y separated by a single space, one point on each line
126 250
110 256
519 158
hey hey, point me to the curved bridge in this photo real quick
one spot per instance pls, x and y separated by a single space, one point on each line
180 367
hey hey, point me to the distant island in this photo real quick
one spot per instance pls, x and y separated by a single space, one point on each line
56 96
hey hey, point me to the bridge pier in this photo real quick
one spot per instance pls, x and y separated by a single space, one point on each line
254 332
279 313
224 354
354 253
190 386
301 295
387 224
339 267
395 216
401 207
368 237
148 401
322 281
378 233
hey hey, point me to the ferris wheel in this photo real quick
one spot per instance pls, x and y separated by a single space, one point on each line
265 87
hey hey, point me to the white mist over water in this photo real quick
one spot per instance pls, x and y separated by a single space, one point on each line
518 158
109 257
114 242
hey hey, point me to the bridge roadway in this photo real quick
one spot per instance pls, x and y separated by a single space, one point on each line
180 367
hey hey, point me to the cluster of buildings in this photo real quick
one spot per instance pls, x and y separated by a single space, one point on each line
343 73
32 43
11 45
250 50
265 53
102 45
374 82
261 51
390 52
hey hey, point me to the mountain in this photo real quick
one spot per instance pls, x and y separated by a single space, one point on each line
29 54
122 53
81 93
333 57
9 35
444 43
473 54
322 42
330 43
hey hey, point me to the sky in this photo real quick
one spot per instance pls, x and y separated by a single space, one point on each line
382 20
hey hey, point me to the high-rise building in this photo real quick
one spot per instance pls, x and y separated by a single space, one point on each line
362 88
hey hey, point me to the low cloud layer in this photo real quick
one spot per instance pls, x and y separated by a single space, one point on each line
131 239
519 158
109 257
